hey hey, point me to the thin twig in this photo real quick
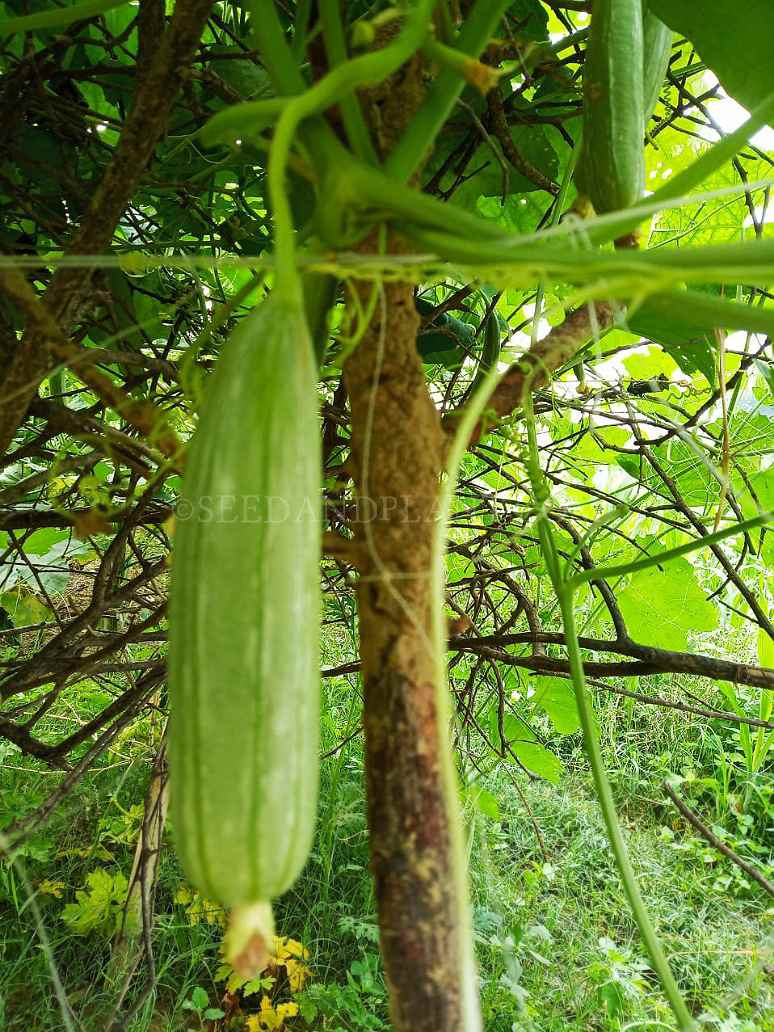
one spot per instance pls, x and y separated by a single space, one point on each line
714 841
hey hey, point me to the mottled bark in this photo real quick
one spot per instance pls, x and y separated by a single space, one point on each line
397 446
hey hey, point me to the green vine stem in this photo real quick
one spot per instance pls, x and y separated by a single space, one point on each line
56 18
608 572
730 262
444 230
565 592
408 154
383 192
351 114
482 77
468 978
300 26
277 58
372 67
268 36
380 195
604 793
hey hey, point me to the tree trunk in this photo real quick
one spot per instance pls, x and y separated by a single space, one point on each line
397 451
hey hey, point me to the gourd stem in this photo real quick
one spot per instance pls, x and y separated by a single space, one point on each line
277 58
427 211
351 114
372 67
608 572
607 805
374 189
300 24
565 594
415 142
383 190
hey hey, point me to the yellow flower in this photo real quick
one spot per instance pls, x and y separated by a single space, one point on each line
298 974
290 954
270 1018
51 888
183 895
198 909
295 949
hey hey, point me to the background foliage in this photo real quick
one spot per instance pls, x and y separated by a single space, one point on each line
650 425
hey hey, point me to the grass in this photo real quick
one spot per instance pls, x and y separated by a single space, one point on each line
577 901
557 946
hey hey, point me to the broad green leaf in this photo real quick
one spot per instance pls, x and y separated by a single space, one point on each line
118 18
489 173
460 567
663 606
767 372
735 42
518 214
530 18
99 905
514 729
757 494
497 481
484 801
440 349
765 649
24 608
199 998
539 760
446 341
556 696
649 365
688 341
245 76
692 471
41 541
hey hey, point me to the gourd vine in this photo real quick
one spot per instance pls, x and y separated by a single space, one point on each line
394 358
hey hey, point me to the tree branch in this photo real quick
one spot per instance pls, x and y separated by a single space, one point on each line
714 841
533 370
650 660
502 131
70 286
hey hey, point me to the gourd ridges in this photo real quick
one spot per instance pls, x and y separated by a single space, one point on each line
276 825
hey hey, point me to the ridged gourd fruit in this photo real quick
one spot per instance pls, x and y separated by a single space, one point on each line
244 629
